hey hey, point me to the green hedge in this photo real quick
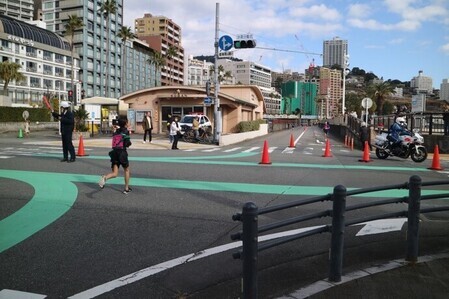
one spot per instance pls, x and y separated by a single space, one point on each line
247 126
14 114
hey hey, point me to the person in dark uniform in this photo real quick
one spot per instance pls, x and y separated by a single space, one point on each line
67 125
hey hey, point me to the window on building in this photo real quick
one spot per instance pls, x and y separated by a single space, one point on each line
35 82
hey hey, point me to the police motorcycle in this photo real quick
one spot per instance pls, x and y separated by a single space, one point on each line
410 144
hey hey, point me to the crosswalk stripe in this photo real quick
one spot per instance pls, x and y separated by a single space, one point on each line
251 149
232 150
211 150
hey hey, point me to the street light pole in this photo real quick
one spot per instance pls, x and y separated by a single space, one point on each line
217 111
345 73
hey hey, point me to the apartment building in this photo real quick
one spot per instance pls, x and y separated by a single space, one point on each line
251 73
45 60
18 9
139 73
96 43
164 36
330 92
334 52
197 72
444 90
422 83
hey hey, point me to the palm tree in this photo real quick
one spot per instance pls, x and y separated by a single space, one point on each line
158 60
108 7
222 75
172 52
125 34
9 71
380 92
71 27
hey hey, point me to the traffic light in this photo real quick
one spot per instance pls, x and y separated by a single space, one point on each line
208 88
70 94
245 43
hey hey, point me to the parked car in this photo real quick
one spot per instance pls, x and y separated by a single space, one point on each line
187 120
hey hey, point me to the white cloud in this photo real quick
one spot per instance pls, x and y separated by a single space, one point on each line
445 48
359 11
316 12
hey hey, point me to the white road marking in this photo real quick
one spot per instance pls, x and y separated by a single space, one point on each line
251 149
232 150
11 294
271 149
6 157
141 274
381 226
211 150
288 150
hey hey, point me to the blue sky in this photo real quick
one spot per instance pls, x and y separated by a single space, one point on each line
394 39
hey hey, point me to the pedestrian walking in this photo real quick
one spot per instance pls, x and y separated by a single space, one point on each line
119 155
175 132
326 128
67 125
365 136
147 125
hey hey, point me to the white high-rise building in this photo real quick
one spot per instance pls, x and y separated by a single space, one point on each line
197 72
444 90
422 83
18 9
334 52
251 73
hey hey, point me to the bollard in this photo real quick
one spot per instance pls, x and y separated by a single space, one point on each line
338 230
250 247
414 202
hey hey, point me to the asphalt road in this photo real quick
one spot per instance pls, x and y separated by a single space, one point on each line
62 236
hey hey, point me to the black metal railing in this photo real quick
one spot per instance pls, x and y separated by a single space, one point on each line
251 229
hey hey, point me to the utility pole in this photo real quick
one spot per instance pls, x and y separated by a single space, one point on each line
217 111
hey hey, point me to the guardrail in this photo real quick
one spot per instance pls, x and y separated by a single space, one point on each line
251 229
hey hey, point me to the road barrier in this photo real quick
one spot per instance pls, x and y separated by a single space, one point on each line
251 230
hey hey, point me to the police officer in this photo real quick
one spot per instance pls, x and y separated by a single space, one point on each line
67 125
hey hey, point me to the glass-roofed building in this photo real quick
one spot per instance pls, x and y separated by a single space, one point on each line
44 57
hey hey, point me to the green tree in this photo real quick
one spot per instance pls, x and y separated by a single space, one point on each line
158 60
109 7
379 92
75 23
171 54
222 75
125 34
9 71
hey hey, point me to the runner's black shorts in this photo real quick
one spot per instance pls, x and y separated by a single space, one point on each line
119 157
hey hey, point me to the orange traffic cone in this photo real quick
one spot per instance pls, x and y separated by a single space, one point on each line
327 150
292 142
436 159
81 148
365 153
265 156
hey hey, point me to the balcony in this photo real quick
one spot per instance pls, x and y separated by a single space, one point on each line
31 69
35 85
48 58
31 54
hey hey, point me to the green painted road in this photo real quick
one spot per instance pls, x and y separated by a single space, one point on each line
53 200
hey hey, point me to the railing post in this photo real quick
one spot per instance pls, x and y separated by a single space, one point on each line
250 247
338 229
414 199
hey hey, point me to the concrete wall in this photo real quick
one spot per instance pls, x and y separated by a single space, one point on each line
237 137
34 126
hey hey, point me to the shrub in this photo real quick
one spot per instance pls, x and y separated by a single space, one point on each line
247 126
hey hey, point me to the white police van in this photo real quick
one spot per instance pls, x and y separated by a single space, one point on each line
187 120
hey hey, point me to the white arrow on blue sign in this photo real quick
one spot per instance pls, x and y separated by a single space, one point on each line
207 101
225 43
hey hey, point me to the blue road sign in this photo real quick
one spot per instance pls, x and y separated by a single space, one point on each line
207 101
225 43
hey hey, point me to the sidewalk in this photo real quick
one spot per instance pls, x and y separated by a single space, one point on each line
429 278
